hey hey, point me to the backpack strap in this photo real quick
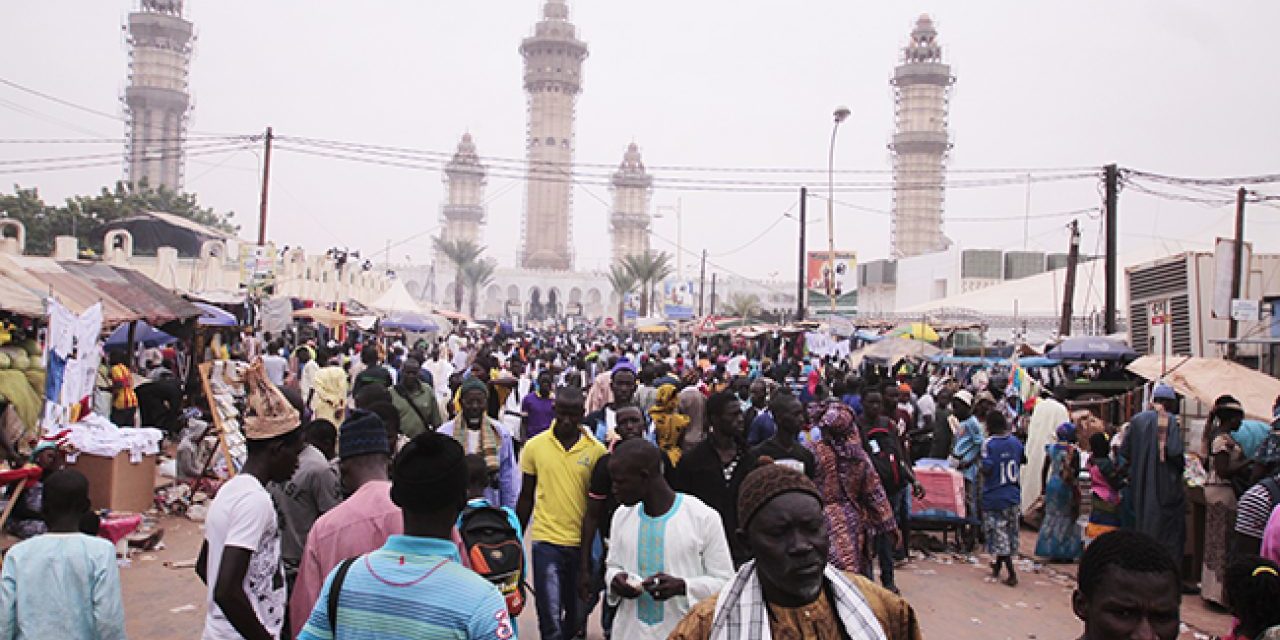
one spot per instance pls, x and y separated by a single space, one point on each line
1273 489
335 591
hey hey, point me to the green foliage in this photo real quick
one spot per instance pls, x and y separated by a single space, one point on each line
83 216
478 274
461 253
648 269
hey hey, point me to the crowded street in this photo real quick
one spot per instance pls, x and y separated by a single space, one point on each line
567 320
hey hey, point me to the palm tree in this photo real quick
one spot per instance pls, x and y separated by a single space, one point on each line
743 306
478 274
649 269
623 282
461 253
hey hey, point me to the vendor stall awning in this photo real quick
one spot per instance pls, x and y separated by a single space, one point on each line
145 296
18 299
1206 378
326 317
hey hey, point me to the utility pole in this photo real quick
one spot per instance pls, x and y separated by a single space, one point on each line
702 281
1237 263
1111 177
1068 297
266 181
800 283
713 294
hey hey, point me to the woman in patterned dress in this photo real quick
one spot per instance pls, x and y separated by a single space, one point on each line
1059 539
853 499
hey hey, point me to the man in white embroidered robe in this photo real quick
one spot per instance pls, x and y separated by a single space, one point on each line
667 550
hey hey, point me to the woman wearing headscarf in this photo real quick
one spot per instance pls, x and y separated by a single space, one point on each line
328 397
854 501
669 425
1059 538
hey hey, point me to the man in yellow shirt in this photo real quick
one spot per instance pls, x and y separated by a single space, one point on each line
124 402
557 466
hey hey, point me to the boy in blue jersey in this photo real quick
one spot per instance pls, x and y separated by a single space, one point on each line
414 586
1002 460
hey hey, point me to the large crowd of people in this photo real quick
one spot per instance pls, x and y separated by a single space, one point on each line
682 488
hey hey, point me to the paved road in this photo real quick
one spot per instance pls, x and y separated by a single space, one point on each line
951 596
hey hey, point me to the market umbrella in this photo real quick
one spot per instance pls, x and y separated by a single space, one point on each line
1092 348
916 331
410 321
145 335
211 316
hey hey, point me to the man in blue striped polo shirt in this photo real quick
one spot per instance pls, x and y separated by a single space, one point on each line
415 586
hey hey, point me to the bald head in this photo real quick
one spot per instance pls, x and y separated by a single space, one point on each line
635 465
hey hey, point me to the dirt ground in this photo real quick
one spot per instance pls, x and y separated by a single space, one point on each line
950 594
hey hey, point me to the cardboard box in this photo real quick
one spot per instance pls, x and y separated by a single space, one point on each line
117 484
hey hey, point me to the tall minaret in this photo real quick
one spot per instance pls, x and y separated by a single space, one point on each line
920 145
156 101
464 177
630 219
553 58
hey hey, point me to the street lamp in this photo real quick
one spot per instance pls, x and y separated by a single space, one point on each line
840 114
676 208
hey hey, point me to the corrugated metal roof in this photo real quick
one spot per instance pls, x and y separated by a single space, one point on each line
18 299
46 276
144 296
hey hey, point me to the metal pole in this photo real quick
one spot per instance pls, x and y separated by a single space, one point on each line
1111 177
702 280
1237 264
831 220
266 181
679 241
801 285
713 294
1068 299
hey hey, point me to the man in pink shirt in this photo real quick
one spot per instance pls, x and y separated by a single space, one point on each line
360 524
1271 537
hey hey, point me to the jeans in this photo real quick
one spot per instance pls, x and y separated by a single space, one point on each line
901 503
884 542
555 582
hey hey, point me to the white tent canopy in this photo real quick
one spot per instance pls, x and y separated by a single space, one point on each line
396 298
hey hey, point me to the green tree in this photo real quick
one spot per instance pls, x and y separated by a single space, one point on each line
478 274
743 306
83 216
623 283
649 269
461 253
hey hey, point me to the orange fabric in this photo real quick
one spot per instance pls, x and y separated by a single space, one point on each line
123 396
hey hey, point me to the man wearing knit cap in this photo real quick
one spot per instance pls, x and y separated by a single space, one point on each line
788 590
240 557
360 524
482 435
414 586
1152 454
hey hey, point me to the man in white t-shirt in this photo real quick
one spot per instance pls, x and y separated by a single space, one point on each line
240 558
275 364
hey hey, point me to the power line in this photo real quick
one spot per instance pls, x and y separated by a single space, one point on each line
108 163
561 175
1206 182
164 152
446 155
65 103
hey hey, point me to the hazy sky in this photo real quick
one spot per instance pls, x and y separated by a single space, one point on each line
1176 87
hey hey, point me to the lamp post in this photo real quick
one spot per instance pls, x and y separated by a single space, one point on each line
840 114
679 235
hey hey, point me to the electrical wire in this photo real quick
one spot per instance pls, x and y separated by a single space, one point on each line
164 152
65 103
1206 182
521 162
107 163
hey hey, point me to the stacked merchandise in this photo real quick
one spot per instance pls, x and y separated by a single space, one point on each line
226 396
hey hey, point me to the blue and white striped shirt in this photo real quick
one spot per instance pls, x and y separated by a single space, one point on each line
412 588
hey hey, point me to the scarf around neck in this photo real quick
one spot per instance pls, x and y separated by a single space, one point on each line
489 440
742 613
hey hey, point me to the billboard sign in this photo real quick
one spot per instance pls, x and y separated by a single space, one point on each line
258 265
822 280
677 299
